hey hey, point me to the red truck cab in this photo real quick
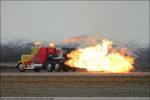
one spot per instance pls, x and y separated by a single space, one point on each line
41 57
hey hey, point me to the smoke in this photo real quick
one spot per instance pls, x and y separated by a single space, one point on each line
82 41
143 57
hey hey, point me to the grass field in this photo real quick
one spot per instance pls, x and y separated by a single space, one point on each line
61 86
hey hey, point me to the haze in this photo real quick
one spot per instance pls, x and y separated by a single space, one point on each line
120 21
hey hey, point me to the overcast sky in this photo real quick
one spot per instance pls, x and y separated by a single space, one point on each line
122 21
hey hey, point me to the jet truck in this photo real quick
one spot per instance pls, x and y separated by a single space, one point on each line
49 58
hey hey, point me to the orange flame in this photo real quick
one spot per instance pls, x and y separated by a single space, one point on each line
52 45
101 57
37 43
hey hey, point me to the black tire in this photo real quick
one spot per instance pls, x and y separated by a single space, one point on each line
21 67
58 67
36 70
50 67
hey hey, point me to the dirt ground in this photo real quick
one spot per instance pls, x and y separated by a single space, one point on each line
72 86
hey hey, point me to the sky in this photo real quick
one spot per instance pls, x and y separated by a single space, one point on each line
120 21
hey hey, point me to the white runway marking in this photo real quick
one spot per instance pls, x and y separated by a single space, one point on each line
74 98
73 74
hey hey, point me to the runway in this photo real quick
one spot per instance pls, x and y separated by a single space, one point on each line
75 84
75 98
73 74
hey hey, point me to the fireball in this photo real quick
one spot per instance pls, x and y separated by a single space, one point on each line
102 57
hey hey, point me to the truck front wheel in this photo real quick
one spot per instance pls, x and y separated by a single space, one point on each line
21 67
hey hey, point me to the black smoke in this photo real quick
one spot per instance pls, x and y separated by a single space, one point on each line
143 58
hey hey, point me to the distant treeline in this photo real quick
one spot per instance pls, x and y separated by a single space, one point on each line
143 57
11 52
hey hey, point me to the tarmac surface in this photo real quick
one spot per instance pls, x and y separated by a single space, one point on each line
75 98
73 74
71 84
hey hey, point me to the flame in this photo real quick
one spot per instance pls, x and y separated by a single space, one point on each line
101 57
37 43
52 45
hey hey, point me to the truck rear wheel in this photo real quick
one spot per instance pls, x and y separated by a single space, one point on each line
21 67
57 67
50 67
